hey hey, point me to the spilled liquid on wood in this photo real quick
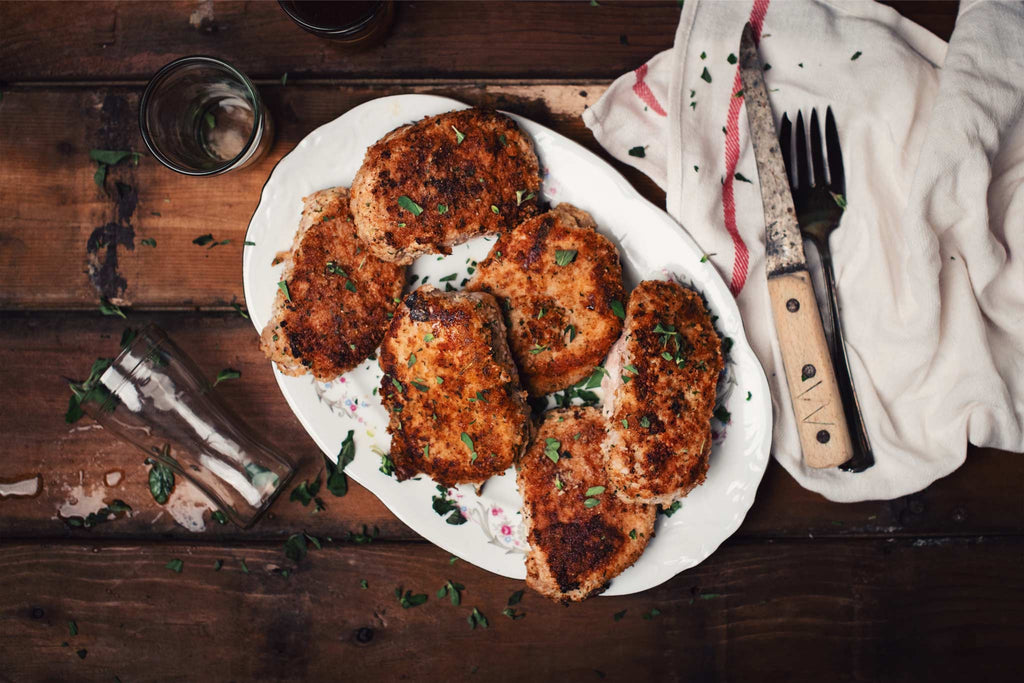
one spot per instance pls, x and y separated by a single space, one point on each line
21 487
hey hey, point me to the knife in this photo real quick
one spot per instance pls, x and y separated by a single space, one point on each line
813 390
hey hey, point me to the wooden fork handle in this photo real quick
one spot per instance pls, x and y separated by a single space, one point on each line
824 435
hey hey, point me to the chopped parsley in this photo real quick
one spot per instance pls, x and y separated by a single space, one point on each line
443 505
618 615
706 75
419 385
731 58
428 337
856 55
645 422
442 208
459 136
494 209
409 205
671 509
107 308
617 309
306 491
537 348
523 196
468 440
412 359
219 517
653 613
452 590
569 330
564 257
337 482
740 177
408 600
283 286
226 374
161 478
638 152
449 278
175 565
591 502
595 491
551 447
475 619
149 242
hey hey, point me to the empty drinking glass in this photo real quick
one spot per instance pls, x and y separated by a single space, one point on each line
201 116
155 397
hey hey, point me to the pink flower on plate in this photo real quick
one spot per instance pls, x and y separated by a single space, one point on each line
506 531
495 512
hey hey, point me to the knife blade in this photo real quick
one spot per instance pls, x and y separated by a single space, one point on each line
813 390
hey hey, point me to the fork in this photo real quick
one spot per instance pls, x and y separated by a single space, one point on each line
819 206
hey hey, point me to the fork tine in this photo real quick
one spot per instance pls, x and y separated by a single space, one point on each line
817 158
785 137
837 179
803 178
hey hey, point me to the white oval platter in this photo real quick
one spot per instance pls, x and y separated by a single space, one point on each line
652 246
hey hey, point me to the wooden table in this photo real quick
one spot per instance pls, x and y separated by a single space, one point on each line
923 587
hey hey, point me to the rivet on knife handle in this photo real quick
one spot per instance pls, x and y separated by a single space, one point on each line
821 423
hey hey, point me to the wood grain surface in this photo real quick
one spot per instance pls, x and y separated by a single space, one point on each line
869 610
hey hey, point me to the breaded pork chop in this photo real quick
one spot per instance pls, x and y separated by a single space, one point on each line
338 296
581 535
451 388
558 280
660 394
427 186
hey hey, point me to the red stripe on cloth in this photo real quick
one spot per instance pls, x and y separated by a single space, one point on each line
643 91
741 256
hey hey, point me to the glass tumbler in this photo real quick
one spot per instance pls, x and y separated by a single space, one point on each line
155 397
201 116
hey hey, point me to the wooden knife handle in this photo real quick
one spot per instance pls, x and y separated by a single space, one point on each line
820 421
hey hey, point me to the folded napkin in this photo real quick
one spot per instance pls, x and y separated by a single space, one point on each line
929 256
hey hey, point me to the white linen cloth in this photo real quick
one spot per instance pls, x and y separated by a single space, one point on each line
929 256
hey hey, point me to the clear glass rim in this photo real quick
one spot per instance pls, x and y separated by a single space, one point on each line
166 70
328 31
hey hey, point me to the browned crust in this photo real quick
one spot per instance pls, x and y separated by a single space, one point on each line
425 162
468 352
541 299
326 329
575 551
664 460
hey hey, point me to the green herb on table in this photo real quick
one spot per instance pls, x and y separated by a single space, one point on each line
89 390
618 615
706 75
148 242
337 482
653 613
116 507
105 158
362 537
722 414
72 627
284 78
203 240
407 599
639 152
82 653
161 478
363 584
551 447
564 257
226 374
443 505
297 546
306 491
409 205
217 565
107 308
175 565
452 590
476 618
515 598
241 311
511 613
219 517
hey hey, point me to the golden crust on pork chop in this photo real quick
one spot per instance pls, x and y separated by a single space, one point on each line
339 298
558 280
660 394
441 181
581 535
451 389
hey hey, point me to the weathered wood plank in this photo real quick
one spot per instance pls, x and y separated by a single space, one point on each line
36 351
451 39
828 610
64 241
